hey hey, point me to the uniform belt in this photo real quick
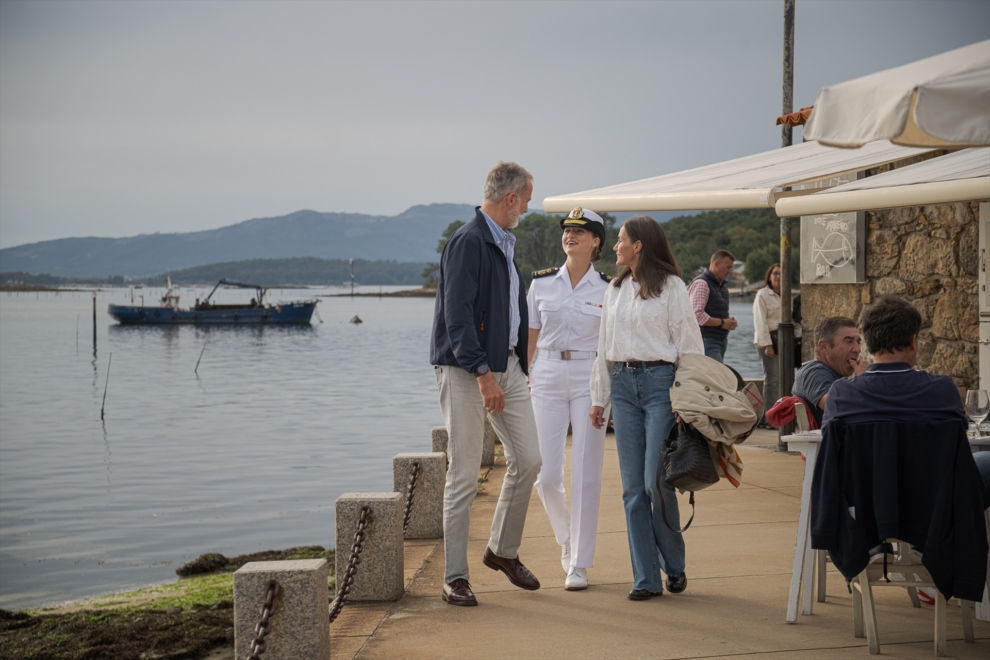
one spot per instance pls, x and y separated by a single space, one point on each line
645 365
567 355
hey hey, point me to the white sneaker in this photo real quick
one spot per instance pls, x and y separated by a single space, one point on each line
565 556
577 579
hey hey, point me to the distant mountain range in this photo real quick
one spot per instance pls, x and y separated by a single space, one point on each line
410 236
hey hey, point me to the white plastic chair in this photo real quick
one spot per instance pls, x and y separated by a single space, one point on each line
905 562
801 418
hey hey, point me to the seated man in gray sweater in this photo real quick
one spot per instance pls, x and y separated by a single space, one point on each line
836 356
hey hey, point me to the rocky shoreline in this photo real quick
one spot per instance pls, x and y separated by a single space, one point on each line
405 293
192 618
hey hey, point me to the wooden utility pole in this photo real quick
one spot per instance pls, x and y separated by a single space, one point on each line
786 131
785 334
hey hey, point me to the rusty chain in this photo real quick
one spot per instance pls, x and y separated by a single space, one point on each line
352 564
258 644
410 493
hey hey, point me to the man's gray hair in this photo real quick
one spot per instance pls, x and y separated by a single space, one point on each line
506 178
719 255
829 327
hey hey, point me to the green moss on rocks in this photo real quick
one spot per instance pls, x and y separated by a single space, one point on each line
183 619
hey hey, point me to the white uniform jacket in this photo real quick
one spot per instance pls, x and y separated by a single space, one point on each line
568 319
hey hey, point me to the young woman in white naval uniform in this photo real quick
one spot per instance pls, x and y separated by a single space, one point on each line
565 311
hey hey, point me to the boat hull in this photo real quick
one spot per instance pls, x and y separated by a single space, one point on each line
294 313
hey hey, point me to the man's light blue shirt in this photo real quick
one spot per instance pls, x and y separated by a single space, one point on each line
507 243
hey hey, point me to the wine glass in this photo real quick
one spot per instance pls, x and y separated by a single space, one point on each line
977 406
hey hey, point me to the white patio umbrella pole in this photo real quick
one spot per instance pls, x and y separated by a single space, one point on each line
785 334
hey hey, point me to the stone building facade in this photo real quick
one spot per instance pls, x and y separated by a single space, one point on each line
929 255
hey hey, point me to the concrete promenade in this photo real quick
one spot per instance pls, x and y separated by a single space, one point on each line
739 554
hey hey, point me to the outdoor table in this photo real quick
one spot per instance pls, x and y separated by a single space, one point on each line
802 570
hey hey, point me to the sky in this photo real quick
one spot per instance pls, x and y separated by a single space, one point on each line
126 118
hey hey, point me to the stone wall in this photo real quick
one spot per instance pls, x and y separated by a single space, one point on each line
927 254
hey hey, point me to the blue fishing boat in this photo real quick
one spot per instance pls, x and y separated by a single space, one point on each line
204 312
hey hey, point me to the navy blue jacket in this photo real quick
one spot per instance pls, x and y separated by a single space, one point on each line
910 480
471 314
893 389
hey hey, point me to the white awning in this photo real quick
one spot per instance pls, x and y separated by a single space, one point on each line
940 101
958 177
744 183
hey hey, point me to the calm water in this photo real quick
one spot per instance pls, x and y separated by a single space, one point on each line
249 454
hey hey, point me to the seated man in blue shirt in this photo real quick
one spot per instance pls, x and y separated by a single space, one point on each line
836 356
890 387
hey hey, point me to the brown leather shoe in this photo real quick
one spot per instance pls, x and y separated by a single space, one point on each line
459 592
518 574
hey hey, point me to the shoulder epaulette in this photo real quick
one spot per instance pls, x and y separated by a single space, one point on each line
545 272
607 278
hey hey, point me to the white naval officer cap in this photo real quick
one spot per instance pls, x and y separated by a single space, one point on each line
586 219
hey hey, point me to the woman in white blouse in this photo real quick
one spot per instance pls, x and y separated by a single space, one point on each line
647 324
565 312
766 318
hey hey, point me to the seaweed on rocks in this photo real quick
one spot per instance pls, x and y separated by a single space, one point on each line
177 621
213 562
121 634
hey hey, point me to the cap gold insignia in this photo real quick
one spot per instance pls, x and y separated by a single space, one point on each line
576 214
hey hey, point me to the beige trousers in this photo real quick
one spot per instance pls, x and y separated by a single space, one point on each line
464 416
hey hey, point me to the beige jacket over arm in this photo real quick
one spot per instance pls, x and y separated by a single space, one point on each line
706 395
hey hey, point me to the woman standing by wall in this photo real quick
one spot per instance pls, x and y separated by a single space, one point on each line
647 324
565 310
766 318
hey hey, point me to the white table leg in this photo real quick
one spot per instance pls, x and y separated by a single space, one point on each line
803 537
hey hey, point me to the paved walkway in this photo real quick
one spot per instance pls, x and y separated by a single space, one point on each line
739 554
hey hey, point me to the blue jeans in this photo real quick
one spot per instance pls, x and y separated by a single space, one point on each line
643 418
715 348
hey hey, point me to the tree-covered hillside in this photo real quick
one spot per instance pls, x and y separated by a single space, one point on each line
745 233
752 235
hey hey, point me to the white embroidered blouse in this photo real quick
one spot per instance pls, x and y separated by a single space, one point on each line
766 317
633 330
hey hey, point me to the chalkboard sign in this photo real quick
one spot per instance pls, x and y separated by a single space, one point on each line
833 245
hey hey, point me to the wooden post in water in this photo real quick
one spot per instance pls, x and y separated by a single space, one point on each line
94 323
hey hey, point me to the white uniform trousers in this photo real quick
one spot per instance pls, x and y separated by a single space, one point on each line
561 395
464 416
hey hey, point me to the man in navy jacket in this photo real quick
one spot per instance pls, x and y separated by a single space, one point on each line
478 349
895 462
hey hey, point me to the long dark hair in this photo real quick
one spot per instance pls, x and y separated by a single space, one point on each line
656 261
766 276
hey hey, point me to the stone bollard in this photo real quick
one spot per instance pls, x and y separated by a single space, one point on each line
299 623
488 446
440 439
380 574
426 516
